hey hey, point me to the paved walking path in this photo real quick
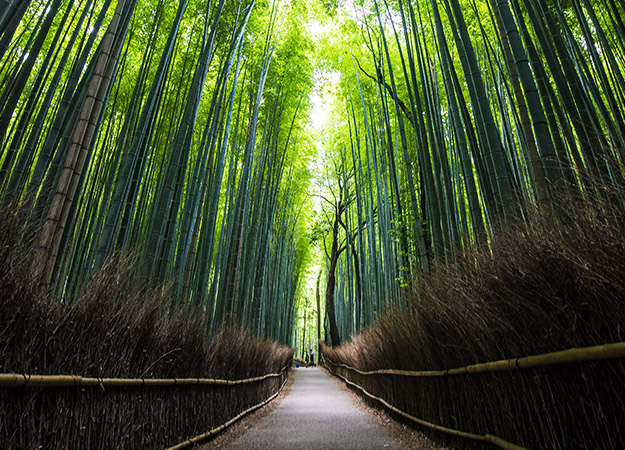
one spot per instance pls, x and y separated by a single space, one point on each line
317 414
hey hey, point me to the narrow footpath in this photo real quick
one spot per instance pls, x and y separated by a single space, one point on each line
317 414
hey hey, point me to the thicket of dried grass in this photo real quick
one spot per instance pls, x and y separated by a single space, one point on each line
115 330
552 289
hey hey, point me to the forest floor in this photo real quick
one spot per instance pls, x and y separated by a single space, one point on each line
317 411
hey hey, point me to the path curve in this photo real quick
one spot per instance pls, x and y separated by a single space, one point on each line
317 414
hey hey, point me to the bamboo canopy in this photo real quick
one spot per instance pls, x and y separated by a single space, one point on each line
573 355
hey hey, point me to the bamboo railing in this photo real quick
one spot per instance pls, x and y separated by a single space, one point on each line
463 434
202 437
574 355
12 380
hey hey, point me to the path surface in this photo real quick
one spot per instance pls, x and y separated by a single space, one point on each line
317 414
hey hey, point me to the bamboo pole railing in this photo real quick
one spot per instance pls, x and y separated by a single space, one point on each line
12 380
202 437
574 355
501 443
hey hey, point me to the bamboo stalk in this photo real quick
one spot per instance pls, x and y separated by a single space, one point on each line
196 439
463 434
574 355
12 380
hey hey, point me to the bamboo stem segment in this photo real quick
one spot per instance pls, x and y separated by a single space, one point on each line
574 355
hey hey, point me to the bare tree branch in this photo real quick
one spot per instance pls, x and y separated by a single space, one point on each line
381 82
324 198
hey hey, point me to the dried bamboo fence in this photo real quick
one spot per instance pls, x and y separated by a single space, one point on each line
16 381
574 355
145 391
215 431
12 380
462 434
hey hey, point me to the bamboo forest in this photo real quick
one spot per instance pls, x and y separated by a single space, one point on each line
206 203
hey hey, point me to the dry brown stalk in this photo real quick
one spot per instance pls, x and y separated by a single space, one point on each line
215 431
501 443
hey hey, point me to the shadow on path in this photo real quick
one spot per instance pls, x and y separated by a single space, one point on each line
317 414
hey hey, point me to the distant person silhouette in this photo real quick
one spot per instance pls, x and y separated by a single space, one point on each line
307 359
312 358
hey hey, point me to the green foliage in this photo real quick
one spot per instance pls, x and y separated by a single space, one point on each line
452 130
183 133
197 161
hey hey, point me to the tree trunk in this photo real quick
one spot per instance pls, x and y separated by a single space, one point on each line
334 257
318 309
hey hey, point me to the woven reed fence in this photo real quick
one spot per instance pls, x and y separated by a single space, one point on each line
10 380
204 436
214 404
391 383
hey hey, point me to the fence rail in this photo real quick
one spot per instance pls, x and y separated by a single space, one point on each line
202 437
501 443
574 355
582 354
12 380
16 381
